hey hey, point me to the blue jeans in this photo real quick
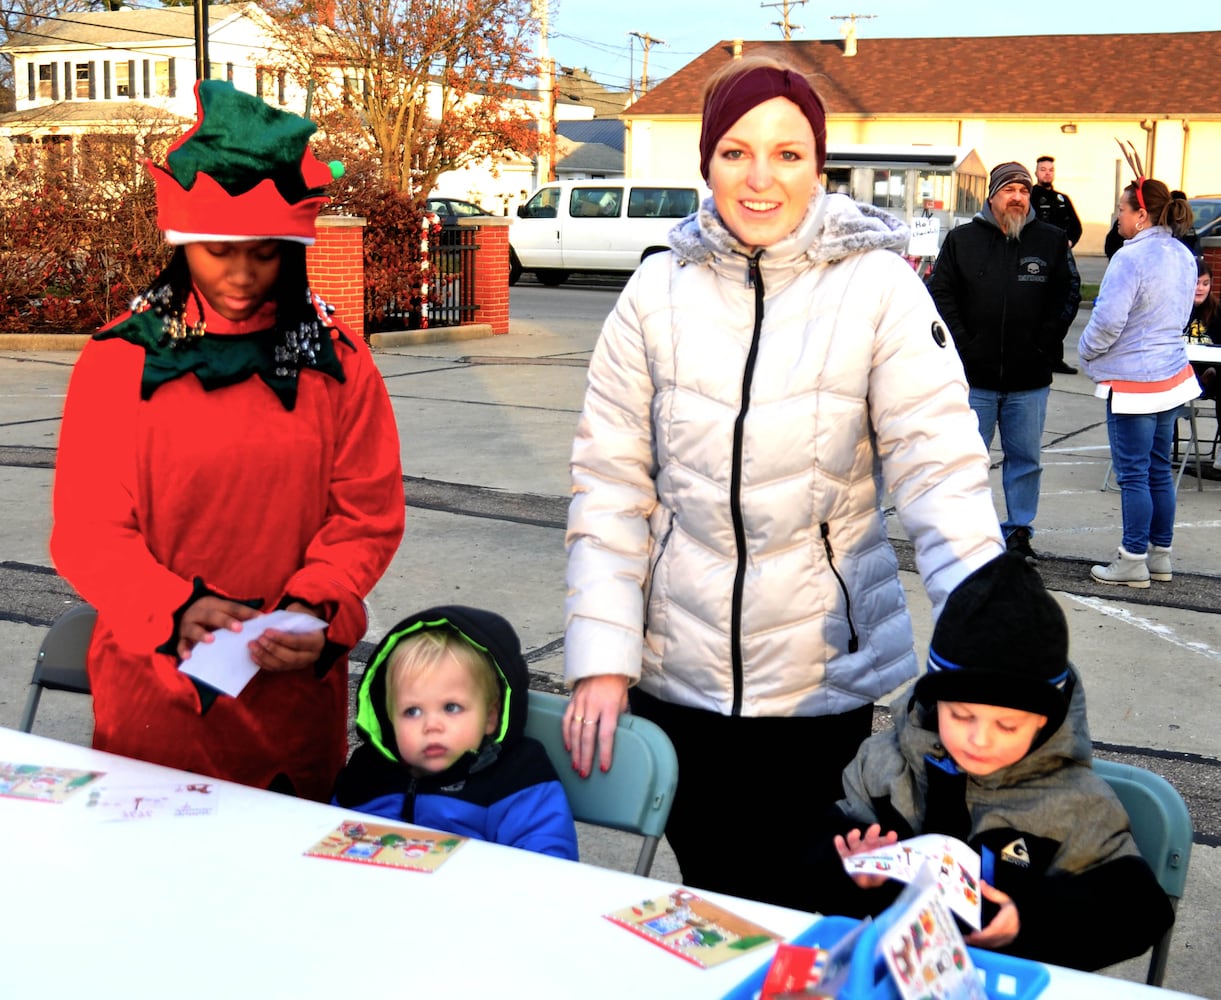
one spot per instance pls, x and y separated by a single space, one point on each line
1140 452
1020 416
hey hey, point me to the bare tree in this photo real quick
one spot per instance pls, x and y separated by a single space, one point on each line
430 83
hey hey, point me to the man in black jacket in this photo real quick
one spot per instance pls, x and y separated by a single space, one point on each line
1007 287
1055 207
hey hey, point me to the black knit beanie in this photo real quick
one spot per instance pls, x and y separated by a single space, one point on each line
1001 640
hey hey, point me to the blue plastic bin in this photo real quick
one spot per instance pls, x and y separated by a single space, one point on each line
1005 977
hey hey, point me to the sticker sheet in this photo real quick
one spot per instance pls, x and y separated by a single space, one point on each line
154 800
955 866
924 951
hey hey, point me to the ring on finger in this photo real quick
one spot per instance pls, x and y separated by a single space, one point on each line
579 718
589 722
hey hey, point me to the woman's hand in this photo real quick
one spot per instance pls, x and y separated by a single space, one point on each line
207 615
1005 925
589 720
280 651
858 843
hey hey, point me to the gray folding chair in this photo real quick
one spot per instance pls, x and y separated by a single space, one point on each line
61 659
1161 827
635 795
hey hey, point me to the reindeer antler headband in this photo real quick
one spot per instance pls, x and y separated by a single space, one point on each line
1133 157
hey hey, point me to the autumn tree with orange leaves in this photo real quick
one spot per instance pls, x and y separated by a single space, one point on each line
429 84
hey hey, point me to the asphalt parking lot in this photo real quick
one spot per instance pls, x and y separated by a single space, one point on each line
486 428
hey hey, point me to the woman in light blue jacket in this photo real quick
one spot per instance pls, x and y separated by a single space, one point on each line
1133 348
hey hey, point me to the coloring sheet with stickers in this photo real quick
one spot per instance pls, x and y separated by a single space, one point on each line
692 927
388 846
42 784
954 864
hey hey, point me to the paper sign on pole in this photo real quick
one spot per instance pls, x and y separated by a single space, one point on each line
925 238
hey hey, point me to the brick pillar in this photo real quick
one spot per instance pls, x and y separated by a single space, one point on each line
491 272
336 266
1210 250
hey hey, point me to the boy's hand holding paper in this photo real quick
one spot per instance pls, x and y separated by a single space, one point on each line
954 865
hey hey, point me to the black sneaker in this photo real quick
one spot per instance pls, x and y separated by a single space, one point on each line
1019 541
1063 368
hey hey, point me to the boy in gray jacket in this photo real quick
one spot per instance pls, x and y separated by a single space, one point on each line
992 747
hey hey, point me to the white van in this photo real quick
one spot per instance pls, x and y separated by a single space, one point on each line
596 226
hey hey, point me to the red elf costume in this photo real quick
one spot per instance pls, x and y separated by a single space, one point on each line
257 461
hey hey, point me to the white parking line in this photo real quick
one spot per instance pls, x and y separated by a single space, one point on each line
1145 625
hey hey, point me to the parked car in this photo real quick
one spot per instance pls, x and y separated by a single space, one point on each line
596 226
452 209
1206 212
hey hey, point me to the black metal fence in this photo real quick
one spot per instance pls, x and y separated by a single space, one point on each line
451 296
452 260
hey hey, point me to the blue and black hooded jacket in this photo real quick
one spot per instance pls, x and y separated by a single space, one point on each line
507 792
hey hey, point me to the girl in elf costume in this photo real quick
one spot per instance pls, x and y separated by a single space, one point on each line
227 449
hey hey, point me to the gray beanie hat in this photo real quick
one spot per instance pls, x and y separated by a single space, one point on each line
1008 173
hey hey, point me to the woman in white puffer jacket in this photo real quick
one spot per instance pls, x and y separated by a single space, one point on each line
728 559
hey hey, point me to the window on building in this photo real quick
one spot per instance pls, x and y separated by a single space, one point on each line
122 79
972 193
84 77
282 87
161 76
46 80
889 189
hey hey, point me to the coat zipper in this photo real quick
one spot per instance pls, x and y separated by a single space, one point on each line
753 279
854 641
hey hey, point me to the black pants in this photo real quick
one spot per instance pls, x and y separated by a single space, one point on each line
750 791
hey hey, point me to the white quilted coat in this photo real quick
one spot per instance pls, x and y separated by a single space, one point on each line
756 578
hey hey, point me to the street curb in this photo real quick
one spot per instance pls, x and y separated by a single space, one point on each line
434 335
399 338
43 341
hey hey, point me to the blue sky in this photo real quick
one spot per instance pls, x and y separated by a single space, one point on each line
594 34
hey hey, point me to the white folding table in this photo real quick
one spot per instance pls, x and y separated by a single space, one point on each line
228 906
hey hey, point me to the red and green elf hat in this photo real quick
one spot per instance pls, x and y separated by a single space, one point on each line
244 171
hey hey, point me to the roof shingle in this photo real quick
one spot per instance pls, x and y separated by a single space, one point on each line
1043 75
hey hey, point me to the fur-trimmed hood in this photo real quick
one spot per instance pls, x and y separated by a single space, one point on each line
834 227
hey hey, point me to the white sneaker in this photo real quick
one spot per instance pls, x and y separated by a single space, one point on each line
1127 570
1159 563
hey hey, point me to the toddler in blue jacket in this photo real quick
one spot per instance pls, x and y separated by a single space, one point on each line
441 712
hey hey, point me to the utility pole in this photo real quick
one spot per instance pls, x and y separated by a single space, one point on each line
785 25
646 40
547 88
201 42
849 29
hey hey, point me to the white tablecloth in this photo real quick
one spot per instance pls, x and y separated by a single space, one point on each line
227 906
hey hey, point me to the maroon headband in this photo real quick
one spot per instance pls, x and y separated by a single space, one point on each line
751 89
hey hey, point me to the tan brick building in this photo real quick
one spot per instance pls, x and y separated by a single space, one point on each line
1009 98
